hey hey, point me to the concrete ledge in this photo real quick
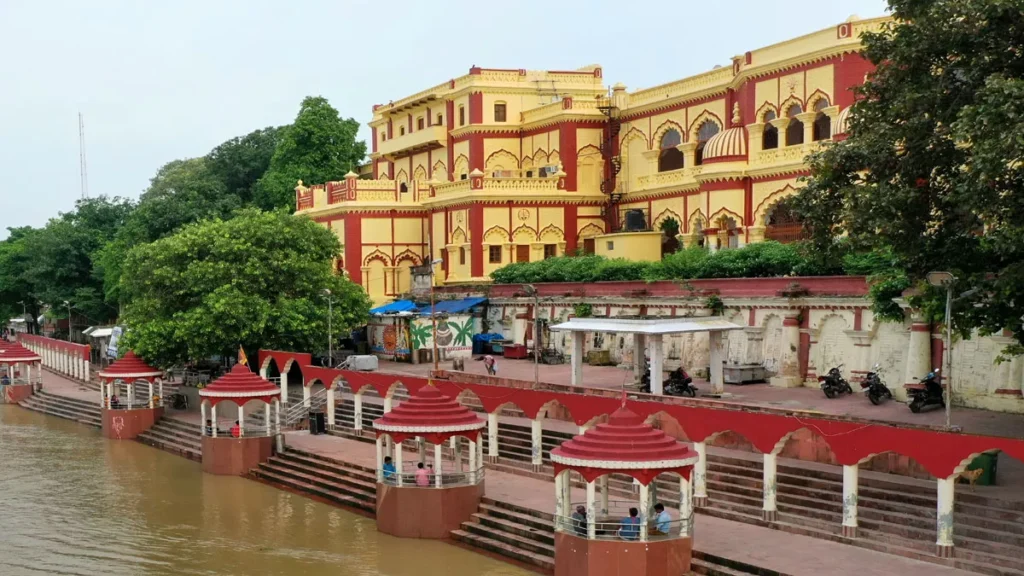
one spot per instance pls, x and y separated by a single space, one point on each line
412 512
127 424
235 456
575 556
15 393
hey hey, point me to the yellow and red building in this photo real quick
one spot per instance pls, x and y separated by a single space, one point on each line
501 166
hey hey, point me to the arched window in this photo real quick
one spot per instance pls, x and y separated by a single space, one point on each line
670 157
795 130
770 136
401 130
499 111
822 129
403 187
704 133
462 115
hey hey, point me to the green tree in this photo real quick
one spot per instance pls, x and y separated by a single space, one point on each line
319 146
240 162
15 288
256 280
931 171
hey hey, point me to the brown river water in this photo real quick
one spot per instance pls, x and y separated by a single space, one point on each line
72 502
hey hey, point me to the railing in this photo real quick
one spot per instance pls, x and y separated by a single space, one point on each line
449 478
426 136
786 154
615 525
295 412
680 177
501 185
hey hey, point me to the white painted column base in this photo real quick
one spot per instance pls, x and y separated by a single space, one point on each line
850 488
944 520
771 513
700 474
492 438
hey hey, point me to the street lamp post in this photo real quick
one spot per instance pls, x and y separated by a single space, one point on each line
946 280
531 290
330 332
68 304
433 315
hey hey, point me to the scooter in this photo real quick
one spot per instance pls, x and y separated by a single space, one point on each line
833 384
928 392
876 390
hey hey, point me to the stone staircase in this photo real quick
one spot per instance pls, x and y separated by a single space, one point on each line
175 436
521 534
65 407
322 478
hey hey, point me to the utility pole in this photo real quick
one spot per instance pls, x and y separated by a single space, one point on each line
330 332
83 170
433 316
531 290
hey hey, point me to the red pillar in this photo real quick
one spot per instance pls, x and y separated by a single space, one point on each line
476 235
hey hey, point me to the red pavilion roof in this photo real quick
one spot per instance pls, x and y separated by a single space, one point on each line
429 411
240 383
625 442
13 352
129 366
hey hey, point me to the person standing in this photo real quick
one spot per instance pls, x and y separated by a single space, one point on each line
491 365
422 476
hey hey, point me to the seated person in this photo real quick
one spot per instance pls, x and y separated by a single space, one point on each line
388 468
236 430
662 521
114 402
630 526
5 380
422 476
209 427
579 521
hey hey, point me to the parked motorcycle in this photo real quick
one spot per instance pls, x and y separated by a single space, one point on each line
926 393
833 384
679 383
874 388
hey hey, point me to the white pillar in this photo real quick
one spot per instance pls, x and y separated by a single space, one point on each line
213 416
717 344
357 415
567 492
850 474
330 407
944 521
657 353
277 420
602 483
560 503
645 505
202 417
638 356
537 442
88 372
380 458
241 420
267 419
437 465
472 462
305 396
919 351
131 394
80 366
387 404
398 462
700 475
577 358
771 514
591 511
492 436
161 391
480 450
103 394
421 449
685 508
788 375
284 387
152 404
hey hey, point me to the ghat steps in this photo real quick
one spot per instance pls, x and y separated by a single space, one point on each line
64 407
327 479
175 436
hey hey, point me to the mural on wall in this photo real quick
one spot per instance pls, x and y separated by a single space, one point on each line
390 338
454 334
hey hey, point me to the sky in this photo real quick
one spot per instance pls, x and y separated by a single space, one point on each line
159 81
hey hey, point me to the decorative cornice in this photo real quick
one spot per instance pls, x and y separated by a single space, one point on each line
430 429
623 464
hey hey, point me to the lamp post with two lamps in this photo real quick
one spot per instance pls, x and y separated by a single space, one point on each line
946 280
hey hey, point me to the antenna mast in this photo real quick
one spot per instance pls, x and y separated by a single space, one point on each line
84 172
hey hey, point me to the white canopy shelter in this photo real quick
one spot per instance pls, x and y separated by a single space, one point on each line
651 330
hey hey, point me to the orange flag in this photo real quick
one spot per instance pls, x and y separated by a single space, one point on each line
241 357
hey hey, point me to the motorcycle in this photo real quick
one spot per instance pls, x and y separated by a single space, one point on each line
679 383
874 388
833 384
928 392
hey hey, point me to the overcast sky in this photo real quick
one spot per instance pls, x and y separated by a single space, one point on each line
157 81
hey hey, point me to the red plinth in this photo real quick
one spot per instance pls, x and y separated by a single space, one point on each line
410 512
15 393
235 456
127 424
575 556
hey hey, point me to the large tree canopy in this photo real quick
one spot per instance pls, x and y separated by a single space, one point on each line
257 280
318 147
931 171
240 162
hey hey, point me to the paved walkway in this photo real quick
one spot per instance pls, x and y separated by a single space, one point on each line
969 419
781 551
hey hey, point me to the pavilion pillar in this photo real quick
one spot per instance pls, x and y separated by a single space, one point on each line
305 397
241 420
700 474
788 375
770 511
560 503
421 448
577 358
850 481
602 483
330 407
437 465
284 387
357 415
537 443
152 403
718 351
202 416
492 437
645 504
944 521
379 450
213 416
267 419
472 460
591 511
685 508
638 356
103 394
657 352
398 463
277 426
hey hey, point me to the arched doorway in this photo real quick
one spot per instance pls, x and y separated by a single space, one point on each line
782 223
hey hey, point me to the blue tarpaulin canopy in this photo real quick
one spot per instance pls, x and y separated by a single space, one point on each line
394 308
453 306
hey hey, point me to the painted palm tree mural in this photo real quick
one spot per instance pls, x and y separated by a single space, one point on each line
451 333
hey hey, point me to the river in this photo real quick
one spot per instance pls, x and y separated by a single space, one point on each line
72 502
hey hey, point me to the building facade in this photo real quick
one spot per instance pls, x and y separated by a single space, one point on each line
501 166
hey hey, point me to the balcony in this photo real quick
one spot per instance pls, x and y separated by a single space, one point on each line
507 188
429 137
674 179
